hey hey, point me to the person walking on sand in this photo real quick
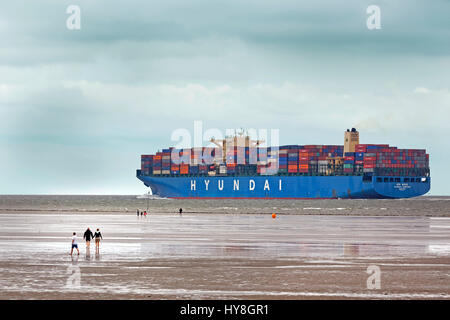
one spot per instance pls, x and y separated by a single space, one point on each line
137 212
88 235
74 243
181 210
145 213
97 237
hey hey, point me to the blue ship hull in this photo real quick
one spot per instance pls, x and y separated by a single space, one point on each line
286 187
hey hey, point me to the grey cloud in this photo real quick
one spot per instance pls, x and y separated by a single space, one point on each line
84 104
409 27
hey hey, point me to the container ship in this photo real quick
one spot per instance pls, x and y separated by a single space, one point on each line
239 167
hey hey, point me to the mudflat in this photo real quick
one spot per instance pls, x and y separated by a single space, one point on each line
233 256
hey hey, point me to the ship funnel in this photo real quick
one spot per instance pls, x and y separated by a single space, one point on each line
351 140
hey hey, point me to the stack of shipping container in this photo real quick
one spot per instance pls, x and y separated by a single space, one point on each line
379 159
147 164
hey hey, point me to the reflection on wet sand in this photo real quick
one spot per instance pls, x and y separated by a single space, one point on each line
74 259
88 253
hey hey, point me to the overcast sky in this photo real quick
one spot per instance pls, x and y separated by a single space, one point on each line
78 107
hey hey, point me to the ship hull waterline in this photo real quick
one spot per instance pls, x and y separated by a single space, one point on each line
285 187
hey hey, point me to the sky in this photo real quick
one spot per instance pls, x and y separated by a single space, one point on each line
79 107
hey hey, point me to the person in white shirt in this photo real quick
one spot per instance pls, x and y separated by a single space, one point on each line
74 243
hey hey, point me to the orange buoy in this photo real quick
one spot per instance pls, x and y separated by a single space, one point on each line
274 215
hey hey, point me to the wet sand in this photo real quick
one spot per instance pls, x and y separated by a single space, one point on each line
437 206
198 256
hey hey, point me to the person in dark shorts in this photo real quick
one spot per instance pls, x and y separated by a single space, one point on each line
74 243
181 210
137 212
97 237
88 235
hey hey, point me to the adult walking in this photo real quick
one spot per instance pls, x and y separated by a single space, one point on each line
88 235
97 237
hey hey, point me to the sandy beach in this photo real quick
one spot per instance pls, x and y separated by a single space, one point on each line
234 256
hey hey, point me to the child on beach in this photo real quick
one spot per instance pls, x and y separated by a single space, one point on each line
74 243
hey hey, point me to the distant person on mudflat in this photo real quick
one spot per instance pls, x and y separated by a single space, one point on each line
88 235
181 210
137 212
74 243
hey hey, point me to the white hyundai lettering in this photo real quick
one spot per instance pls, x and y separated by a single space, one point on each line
206 184
251 185
279 185
235 184
220 185
266 185
192 184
